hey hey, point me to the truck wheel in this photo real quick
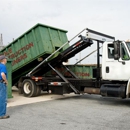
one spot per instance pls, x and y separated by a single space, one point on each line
29 88
38 90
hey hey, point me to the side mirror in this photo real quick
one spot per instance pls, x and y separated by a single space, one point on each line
116 50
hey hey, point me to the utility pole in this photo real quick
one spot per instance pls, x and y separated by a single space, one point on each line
1 42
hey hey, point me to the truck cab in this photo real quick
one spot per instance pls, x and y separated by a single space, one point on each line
112 74
116 61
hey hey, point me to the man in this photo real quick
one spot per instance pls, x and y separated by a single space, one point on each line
3 87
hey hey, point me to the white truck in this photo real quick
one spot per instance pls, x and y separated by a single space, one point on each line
112 76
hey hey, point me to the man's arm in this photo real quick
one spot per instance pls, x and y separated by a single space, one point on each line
4 77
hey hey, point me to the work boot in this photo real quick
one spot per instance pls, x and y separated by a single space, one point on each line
4 117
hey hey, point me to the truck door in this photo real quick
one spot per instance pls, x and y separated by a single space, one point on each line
116 69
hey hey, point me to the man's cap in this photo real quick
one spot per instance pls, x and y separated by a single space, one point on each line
3 57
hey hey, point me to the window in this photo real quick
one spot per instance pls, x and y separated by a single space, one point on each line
124 53
128 44
110 51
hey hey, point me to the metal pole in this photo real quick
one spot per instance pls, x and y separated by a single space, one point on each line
98 55
98 65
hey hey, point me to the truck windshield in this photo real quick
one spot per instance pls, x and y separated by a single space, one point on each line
128 44
124 52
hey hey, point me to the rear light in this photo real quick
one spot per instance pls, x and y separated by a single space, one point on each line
55 83
37 78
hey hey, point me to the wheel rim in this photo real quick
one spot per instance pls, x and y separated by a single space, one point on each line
27 88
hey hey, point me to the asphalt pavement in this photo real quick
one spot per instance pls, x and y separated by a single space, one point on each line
79 112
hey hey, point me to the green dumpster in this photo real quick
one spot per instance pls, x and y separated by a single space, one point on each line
36 44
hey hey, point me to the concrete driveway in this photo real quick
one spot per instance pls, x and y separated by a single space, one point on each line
19 99
73 112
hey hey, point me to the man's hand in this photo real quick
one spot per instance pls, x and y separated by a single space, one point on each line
6 82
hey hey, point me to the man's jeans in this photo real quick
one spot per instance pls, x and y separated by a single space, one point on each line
3 99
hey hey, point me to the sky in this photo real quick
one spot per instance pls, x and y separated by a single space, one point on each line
110 17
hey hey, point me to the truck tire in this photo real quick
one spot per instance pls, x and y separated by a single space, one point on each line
29 88
38 90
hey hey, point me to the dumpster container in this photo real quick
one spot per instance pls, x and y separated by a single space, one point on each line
32 47
83 71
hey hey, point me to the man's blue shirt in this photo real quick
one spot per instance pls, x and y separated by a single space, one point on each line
3 69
